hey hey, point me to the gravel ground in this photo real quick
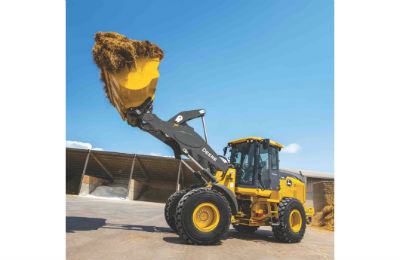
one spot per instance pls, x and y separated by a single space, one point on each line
119 229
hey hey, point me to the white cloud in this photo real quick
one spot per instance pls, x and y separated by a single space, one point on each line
82 145
291 148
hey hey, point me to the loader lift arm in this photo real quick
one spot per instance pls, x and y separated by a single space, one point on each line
181 137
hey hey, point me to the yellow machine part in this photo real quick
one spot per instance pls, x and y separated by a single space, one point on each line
264 201
206 217
227 179
309 211
130 87
140 77
241 140
297 191
295 220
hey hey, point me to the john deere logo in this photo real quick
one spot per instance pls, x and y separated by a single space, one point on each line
289 182
209 154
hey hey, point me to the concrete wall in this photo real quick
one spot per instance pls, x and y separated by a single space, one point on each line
73 183
310 190
151 191
89 183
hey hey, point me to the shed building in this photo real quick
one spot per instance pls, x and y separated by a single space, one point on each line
140 177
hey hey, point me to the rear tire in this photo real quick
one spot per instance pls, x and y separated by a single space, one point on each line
170 207
203 216
292 221
245 229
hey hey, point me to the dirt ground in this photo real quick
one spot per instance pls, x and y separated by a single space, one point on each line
118 229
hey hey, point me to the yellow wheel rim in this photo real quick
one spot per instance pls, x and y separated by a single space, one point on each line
295 220
206 217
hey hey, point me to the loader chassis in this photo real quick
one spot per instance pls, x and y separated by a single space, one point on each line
246 191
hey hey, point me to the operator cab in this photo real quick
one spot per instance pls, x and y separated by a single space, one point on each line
256 161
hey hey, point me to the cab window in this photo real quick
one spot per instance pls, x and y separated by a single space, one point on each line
274 158
242 158
263 167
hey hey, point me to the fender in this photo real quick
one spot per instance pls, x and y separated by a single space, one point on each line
228 195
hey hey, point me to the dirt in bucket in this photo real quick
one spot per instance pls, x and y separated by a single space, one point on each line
113 53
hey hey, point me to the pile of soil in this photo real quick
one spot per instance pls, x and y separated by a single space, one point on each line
113 53
324 205
325 218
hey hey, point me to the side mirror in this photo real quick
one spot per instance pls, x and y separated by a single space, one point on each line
225 148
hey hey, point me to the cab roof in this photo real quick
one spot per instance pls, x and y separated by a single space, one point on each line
241 140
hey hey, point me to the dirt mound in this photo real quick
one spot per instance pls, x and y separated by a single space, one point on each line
325 218
117 57
324 205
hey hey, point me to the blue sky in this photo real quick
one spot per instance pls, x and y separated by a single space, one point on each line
259 68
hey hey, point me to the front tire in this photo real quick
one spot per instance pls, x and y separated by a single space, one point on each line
203 216
292 221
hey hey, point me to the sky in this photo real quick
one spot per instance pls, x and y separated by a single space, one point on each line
258 68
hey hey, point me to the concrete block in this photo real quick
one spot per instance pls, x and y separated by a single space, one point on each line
150 191
89 183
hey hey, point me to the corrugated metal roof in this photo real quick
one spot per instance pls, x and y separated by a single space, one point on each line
146 167
312 174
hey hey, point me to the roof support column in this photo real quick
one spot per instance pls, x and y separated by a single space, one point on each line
131 183
84 172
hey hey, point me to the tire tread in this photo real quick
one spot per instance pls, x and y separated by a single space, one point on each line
282 232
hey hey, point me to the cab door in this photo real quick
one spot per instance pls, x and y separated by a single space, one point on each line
274 168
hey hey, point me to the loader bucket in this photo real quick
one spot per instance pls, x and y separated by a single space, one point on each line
129 69
131 87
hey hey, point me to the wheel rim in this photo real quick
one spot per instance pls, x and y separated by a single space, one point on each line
295 220
206 217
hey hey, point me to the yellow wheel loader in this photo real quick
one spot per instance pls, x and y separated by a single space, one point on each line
248 190
252 192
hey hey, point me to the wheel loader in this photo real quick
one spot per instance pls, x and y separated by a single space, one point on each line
247 190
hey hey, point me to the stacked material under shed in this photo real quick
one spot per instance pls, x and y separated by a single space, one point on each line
324 204
129 69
